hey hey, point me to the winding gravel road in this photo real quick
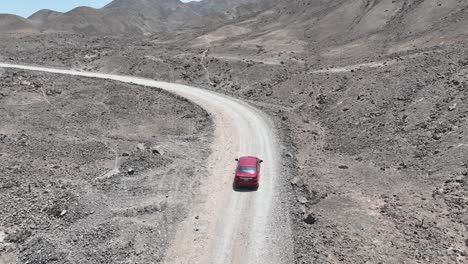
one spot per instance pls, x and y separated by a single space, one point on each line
226 226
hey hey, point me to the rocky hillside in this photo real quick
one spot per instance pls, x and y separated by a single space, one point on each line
135 17
13 24
231 10
355 28
128 17
43 15
324 27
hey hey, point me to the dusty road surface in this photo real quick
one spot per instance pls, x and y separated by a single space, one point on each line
225 225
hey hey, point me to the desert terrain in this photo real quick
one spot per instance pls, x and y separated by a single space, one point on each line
91 169
366 99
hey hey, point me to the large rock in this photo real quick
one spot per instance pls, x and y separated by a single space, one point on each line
310 219
297 181
452 107
141 147
157 150
302 199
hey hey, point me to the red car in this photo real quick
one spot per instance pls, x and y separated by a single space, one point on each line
247 172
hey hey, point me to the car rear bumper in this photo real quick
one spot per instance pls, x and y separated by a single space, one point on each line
249 184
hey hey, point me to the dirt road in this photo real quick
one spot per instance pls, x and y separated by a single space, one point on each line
226 226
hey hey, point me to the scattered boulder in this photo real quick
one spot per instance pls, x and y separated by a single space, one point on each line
2 236
63 213
25 83
37 84
452 107
18 236
188 116
53 92
343 167
56 209
302 199
303 209
157 150
141 147
321 99
402 165
297 181
130 171
440 191
125 154
310 219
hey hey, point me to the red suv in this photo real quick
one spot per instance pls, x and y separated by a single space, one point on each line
247 172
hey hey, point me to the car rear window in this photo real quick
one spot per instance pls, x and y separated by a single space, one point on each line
246 169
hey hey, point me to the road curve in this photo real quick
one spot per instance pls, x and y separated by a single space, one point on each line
231 227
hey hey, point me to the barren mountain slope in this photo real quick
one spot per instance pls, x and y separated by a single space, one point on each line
340 27
170 17
43 15
15 24
351 28
128 17
149 16
132 19
231 9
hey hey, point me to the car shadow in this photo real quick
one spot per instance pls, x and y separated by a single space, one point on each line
243 189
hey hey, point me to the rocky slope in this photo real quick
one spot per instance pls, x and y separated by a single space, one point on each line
127 17
94 171
329 28
43 15
15 24
137 17
342 29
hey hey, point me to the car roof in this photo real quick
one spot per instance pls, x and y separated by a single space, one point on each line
248 161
